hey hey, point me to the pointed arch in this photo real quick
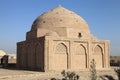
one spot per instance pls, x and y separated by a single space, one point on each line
80 50
61 48
98 50
98 56
60 57
80 57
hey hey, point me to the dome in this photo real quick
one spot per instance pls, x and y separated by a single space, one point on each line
59 22
60 17
2 53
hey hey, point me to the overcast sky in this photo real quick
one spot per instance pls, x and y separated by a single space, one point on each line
17 16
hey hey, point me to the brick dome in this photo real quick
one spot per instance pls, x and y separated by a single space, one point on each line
60 21
60 17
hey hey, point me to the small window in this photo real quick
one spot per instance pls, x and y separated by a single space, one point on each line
79 35
44 22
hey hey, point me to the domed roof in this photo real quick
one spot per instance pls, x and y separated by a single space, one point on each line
2 53
59 22
59 17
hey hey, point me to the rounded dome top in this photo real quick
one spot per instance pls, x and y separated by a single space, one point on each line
2 53
59 17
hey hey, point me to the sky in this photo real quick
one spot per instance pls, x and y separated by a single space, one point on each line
17 16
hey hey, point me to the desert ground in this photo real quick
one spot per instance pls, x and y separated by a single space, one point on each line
14 74
10 74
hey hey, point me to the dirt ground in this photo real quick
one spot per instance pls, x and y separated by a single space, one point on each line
14 74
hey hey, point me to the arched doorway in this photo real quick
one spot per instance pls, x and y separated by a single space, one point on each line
98 56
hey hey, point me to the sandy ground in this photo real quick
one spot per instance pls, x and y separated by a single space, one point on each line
14 74
9 74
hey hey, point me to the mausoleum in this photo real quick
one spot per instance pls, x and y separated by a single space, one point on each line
60 40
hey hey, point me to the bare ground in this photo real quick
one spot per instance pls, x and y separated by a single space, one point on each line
14 74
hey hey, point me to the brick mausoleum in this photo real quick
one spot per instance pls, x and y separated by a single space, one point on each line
60 39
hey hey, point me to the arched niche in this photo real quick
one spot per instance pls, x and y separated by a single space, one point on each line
28 55
80 50
60 57
61 48
79 57
98 56
24 56
38 57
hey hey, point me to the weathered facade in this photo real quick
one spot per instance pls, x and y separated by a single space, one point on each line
60 39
